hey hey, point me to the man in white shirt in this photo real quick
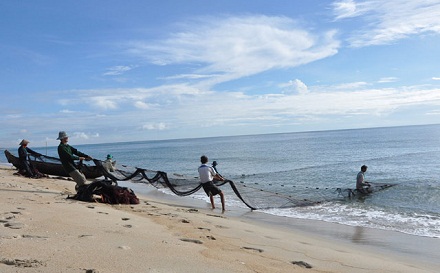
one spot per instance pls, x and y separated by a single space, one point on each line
207 175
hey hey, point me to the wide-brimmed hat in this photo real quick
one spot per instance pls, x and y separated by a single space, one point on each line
62 135
24 142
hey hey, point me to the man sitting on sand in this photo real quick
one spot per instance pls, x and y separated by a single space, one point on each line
362 185
67 155
207 175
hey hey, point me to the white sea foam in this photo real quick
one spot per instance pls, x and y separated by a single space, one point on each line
410 223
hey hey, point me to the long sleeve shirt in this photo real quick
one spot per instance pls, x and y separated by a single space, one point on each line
67 156
23 153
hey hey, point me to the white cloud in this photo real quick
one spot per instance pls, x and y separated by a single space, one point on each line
189 76
349 86
234 47
436 78
183 111
81 135
295 86
13 116
390 20
388 79
141 105
103 102
348 9
155 126
117 70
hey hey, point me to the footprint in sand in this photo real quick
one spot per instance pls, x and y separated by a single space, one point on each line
254 249
34 237
14 225
302 264
218 216
22 263
191 241
124 247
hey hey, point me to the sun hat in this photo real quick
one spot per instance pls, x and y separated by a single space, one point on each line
24 142
62 135
109 156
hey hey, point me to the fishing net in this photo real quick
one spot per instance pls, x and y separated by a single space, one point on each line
253 196
239 190
249 194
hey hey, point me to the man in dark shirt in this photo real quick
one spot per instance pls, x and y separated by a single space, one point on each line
23 156
67 156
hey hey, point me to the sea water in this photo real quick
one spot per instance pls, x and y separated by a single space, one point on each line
313 165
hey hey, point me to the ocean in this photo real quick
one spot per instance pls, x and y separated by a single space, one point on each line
312 166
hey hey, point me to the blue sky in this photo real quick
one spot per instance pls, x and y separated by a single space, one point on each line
110 71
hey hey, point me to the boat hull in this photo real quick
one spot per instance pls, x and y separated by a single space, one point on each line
56 169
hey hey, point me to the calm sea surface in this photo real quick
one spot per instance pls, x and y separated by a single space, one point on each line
312 165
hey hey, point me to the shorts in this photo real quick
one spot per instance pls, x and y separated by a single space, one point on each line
210 188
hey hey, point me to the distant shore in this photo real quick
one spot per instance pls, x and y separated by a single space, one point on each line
42 231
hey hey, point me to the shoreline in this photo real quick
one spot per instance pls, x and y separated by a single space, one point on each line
419 249
42 231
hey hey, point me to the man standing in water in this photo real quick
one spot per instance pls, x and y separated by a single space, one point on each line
362 185
207 175
67 155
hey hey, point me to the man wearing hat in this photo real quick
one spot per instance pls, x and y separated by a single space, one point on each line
67 156
109 164
23 156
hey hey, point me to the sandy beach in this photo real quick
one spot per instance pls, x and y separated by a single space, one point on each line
42 231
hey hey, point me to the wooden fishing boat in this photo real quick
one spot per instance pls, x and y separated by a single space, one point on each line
52 166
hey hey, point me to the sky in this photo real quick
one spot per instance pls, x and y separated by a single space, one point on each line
115 71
